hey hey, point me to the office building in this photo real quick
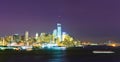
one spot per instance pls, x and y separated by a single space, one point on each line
26 36
59 31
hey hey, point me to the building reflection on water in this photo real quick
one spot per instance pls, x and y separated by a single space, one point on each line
74 54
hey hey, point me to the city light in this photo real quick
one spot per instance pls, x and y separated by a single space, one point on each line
57 39
49 40
103 52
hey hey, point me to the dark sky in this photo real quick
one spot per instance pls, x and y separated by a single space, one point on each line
82 19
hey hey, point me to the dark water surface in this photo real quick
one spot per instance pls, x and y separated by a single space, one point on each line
57 56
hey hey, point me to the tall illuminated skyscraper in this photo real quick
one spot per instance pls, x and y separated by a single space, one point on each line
36 36
59 31
26 36
54 35
63 36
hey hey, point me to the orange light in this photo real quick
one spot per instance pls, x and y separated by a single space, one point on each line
113 45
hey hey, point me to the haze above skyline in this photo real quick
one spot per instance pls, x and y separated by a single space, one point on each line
82 19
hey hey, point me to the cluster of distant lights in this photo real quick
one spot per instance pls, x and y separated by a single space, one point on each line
58 34
51 46
30 48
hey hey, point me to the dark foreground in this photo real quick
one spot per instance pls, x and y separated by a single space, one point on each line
69 55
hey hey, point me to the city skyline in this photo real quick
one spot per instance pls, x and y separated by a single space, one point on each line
84 20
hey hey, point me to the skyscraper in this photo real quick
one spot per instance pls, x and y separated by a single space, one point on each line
59 31
36 36
16 37
26 36
63 35
54 35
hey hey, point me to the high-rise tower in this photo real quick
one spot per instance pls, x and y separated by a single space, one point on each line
63 36
59 31
26 36
16 37
36 36
54 35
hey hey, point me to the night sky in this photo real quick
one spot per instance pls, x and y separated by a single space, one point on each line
93 20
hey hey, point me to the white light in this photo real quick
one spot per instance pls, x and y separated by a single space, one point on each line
105 52
59 31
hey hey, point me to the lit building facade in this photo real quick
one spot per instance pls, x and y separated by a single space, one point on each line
59 31
16 37
26 36
54 35
63 36
36 36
